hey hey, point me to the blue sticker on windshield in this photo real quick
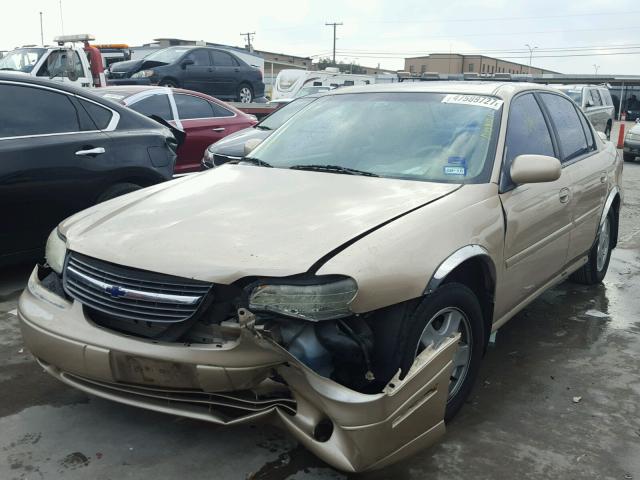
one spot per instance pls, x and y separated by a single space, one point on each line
457 161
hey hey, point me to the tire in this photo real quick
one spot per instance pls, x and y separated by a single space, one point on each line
244 94
117 190
456 299
168 82
594 271
628 157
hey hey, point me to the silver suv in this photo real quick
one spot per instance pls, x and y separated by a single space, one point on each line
595 101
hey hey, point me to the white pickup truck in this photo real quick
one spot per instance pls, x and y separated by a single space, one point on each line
66 62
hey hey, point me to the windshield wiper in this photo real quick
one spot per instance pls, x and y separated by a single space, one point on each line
262 127
8 68
333 169
252 161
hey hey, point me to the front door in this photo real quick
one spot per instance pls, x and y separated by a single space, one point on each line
66 66
198 75
537 216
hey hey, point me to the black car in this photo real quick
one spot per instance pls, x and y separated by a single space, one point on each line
231 147
63 149
216 72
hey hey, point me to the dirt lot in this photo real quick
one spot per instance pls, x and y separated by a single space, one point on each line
521 421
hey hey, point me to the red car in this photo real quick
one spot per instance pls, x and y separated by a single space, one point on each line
204 119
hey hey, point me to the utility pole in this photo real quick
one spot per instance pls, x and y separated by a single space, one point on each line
334 25
61 18
41 31
531 49
249 35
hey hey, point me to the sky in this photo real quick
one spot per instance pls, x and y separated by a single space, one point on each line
571 37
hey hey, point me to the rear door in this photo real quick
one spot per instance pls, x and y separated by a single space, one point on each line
203 127
198 76
538 215
49 148
595 109
227 74
584 164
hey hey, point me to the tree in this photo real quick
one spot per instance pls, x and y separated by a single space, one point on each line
344 67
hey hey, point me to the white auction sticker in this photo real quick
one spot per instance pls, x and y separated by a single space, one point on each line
478 100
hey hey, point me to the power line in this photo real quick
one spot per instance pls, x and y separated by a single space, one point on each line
334 25
481 50
596 54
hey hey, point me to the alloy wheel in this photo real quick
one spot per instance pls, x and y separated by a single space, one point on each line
441 326
245 95
603 244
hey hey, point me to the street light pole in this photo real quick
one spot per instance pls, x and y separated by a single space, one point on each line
596 67
41 31
531 49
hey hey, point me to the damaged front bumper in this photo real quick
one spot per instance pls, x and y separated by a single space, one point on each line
244 380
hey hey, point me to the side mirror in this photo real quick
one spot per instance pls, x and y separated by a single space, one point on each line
186 62
588 104
535 169
250 145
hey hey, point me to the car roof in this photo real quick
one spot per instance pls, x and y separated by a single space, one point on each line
502 90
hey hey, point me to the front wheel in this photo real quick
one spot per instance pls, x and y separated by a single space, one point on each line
452 308
595 269
245 94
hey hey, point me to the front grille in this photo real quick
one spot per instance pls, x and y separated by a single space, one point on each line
129 294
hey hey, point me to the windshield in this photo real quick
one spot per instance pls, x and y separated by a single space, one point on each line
575 95
167 55
417 136
277 118
22 59
304 91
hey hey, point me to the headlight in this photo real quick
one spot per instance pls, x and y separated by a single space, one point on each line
55 251
143 74
314 302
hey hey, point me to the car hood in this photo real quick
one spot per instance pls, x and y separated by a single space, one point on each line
233 145
133 66
239 220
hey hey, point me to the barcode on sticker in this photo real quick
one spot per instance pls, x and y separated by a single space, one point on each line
477 100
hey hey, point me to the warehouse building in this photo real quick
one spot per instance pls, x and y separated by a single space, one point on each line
456 63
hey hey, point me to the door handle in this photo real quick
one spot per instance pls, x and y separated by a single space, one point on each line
218 129
565 195
236 69
603 177
91 152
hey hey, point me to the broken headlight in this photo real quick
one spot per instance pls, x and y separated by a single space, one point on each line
143 74
55 251
315 302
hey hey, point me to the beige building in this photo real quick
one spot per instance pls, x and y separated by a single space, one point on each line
456 63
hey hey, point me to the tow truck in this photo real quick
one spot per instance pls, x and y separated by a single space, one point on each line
72 60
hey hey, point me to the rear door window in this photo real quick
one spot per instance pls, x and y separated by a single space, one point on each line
220 111
101 116
596 101
28 111
564 116
223 59
154 105
190 107
200 58
527 133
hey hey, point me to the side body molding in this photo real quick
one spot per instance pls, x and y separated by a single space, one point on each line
456 259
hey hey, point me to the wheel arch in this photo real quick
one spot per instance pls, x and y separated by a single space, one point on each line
473 267
613 204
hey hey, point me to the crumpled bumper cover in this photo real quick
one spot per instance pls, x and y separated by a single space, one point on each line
231 383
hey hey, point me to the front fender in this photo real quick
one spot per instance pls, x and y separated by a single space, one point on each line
396 262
